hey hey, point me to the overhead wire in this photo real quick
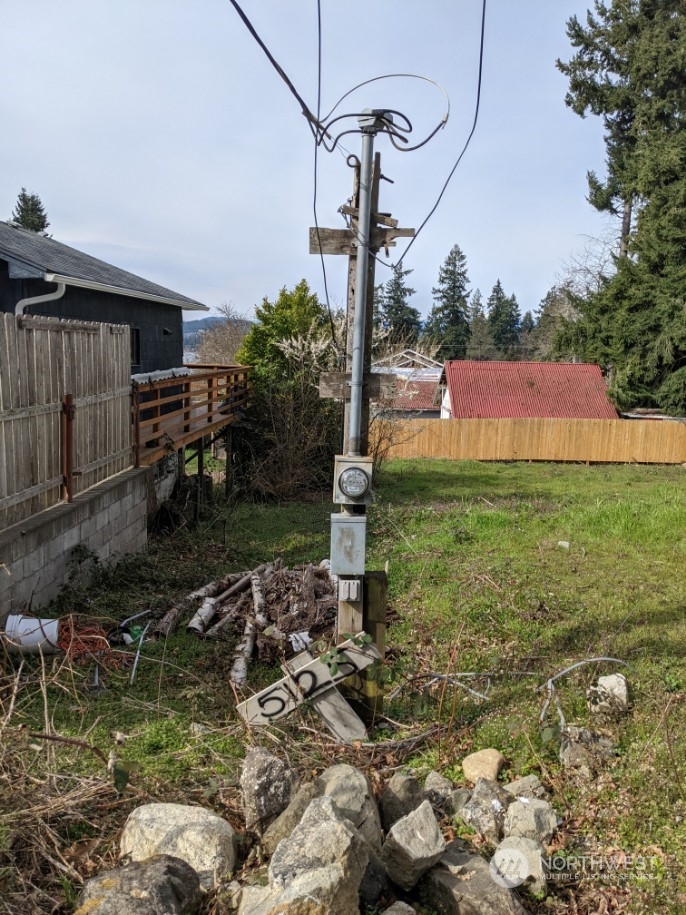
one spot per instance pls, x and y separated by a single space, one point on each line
467 142
316 176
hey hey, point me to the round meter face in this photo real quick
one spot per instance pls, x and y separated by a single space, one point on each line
354 482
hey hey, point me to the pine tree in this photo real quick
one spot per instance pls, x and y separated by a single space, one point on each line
635 322
480 345
448 323
29 212
602 81
503 320
401 320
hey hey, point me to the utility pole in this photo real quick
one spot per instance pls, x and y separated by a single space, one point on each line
353 469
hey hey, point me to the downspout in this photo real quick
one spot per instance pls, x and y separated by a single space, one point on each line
36 299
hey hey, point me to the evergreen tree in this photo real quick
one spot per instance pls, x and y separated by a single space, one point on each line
602 81
635 322
480 345
448 322
400 320
554 312
503 320
294 313
527 329
29 212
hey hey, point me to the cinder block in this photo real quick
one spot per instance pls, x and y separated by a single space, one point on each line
116 509
87 528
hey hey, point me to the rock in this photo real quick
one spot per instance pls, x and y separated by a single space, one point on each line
437 790
402 795
531 818
318 892
459 797
461 884
196 835
609 695
519 861
375 882
352 795
486 809
413 845
267 785
583 749
528 786
161 885
399 908
563 544
322 837
483 764
286 822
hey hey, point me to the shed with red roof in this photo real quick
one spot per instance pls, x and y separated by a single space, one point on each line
499 390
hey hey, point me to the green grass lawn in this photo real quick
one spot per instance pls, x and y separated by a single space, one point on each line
478 582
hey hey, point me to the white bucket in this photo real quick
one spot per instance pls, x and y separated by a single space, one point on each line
29 635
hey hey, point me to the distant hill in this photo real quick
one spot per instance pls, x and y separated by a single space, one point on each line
193 329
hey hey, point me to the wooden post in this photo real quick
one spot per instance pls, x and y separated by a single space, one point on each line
201 479
68 415
228 471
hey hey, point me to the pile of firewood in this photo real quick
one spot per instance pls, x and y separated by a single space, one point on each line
274 610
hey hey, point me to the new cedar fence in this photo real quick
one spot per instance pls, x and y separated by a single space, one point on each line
65 410
172 412
67 420
590 440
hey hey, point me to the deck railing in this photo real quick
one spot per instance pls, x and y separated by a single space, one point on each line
172 412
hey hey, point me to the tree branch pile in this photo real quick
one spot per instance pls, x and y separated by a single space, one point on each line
272 611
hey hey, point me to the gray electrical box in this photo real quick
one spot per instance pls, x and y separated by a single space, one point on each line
348 535
352 480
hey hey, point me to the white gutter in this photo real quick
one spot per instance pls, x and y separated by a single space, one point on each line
119 290
38 299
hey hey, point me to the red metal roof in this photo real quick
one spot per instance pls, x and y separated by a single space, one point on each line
414 395
527 389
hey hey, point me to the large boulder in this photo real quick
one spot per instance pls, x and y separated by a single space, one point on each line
437 790
461 884
267 785
402 795
286 822
198 836
352 796
520 862
317 870
161 885
483 764
527 786
531 818
485 810
322 837
413 845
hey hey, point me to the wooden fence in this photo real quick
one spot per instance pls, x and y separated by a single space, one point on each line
588 440
65 410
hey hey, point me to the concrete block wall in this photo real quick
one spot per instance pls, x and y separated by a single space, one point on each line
110 519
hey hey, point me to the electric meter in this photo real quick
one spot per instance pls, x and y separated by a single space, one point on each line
352 480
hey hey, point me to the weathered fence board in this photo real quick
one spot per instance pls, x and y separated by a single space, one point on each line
41 361
588 440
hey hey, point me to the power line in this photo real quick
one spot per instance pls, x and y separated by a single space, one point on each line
469 138
311 119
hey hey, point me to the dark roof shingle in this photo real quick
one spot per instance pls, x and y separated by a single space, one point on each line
50 256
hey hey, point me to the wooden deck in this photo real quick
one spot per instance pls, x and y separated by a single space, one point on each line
172 412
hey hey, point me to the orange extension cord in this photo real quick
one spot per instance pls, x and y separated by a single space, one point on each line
86 642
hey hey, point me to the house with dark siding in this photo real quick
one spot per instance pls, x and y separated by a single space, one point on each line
42 276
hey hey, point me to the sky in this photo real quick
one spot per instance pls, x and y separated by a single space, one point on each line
160 138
